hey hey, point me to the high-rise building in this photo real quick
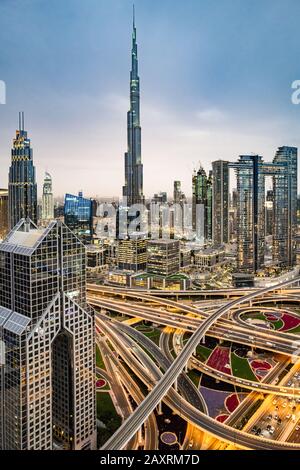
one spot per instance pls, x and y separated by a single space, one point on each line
22 188
132 254
47 384
209 208
269 212
163 257
3 213
133 188
250 212
78 214
177 192
285 205
202 205
47 199
220 202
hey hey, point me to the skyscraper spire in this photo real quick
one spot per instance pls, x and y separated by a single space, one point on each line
22 188
21 121
133 16
133 188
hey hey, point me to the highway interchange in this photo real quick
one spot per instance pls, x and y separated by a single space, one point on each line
159 370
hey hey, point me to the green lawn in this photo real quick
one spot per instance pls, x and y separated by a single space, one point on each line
203 352
295 330
277 324
107 414
99 360
194 376
241 368
256 316
152 333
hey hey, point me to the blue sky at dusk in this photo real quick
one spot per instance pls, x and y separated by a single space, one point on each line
215 83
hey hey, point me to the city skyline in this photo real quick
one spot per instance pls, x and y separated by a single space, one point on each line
158 307
181 127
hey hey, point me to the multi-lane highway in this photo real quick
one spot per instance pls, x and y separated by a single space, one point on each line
224 329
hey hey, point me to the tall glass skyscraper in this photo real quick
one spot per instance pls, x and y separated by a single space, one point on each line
78 214
202 205
220 202
284 171
250 212
251 229
22 189
209 207
177 192
47 199
47 384
133 188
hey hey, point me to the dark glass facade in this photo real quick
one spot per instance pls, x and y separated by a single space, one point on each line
202 205
285 205
47 386
220 202
250 213
78 214
22 188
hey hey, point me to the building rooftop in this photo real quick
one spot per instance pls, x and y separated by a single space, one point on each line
163 241
25 239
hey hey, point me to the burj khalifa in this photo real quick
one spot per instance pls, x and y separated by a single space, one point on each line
133 188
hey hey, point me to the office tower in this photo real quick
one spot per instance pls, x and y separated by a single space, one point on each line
250 212
132 254
177 192
22 189
200 204
78 213
47 199
48 381
220 202
133 188
209 208
285 205
269 212
3 213
163 257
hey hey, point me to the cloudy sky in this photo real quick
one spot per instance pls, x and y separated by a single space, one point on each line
215 83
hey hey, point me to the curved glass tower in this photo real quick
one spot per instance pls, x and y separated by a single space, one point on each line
133 188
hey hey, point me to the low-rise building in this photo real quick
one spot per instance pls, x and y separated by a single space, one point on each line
209 259
163 257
